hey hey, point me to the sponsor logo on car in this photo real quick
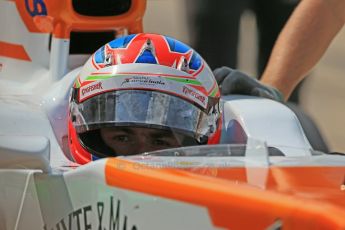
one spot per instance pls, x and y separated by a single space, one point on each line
36 7
109 214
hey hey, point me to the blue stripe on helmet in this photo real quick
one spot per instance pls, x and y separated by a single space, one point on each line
195 61
99 55
121 42
177 46
146 57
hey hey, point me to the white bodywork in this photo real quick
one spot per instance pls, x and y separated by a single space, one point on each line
41 188
33 136
45 116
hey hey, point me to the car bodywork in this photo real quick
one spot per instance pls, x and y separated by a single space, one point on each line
265 175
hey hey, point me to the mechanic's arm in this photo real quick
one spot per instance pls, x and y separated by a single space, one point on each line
302 42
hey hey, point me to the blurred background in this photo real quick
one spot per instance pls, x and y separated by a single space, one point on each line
322 95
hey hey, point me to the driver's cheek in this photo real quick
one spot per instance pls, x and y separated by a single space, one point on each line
136 145
124 148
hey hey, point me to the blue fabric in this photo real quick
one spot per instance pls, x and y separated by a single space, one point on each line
94 157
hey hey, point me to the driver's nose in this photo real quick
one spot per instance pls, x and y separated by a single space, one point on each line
143 145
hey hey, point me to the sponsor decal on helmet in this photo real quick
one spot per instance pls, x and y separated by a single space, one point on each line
190 92
142 80
91 88
173 85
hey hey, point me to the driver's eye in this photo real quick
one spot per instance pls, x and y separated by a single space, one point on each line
121 138
161 142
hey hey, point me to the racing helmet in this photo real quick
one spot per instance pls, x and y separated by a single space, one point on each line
148 81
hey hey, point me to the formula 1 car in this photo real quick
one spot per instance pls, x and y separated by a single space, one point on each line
266 175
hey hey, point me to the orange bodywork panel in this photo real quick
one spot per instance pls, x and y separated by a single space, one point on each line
60 18
13 51
299 197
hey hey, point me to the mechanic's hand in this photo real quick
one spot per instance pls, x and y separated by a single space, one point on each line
232 81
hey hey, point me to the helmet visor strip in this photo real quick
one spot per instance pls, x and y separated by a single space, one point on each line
140 108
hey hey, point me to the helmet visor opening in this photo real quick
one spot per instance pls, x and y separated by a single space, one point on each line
127 140
138 108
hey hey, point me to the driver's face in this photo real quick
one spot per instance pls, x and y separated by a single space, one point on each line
129 141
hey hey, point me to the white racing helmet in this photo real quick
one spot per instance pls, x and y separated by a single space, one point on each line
143 80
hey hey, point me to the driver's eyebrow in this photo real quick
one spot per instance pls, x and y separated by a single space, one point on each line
161 134
122 129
